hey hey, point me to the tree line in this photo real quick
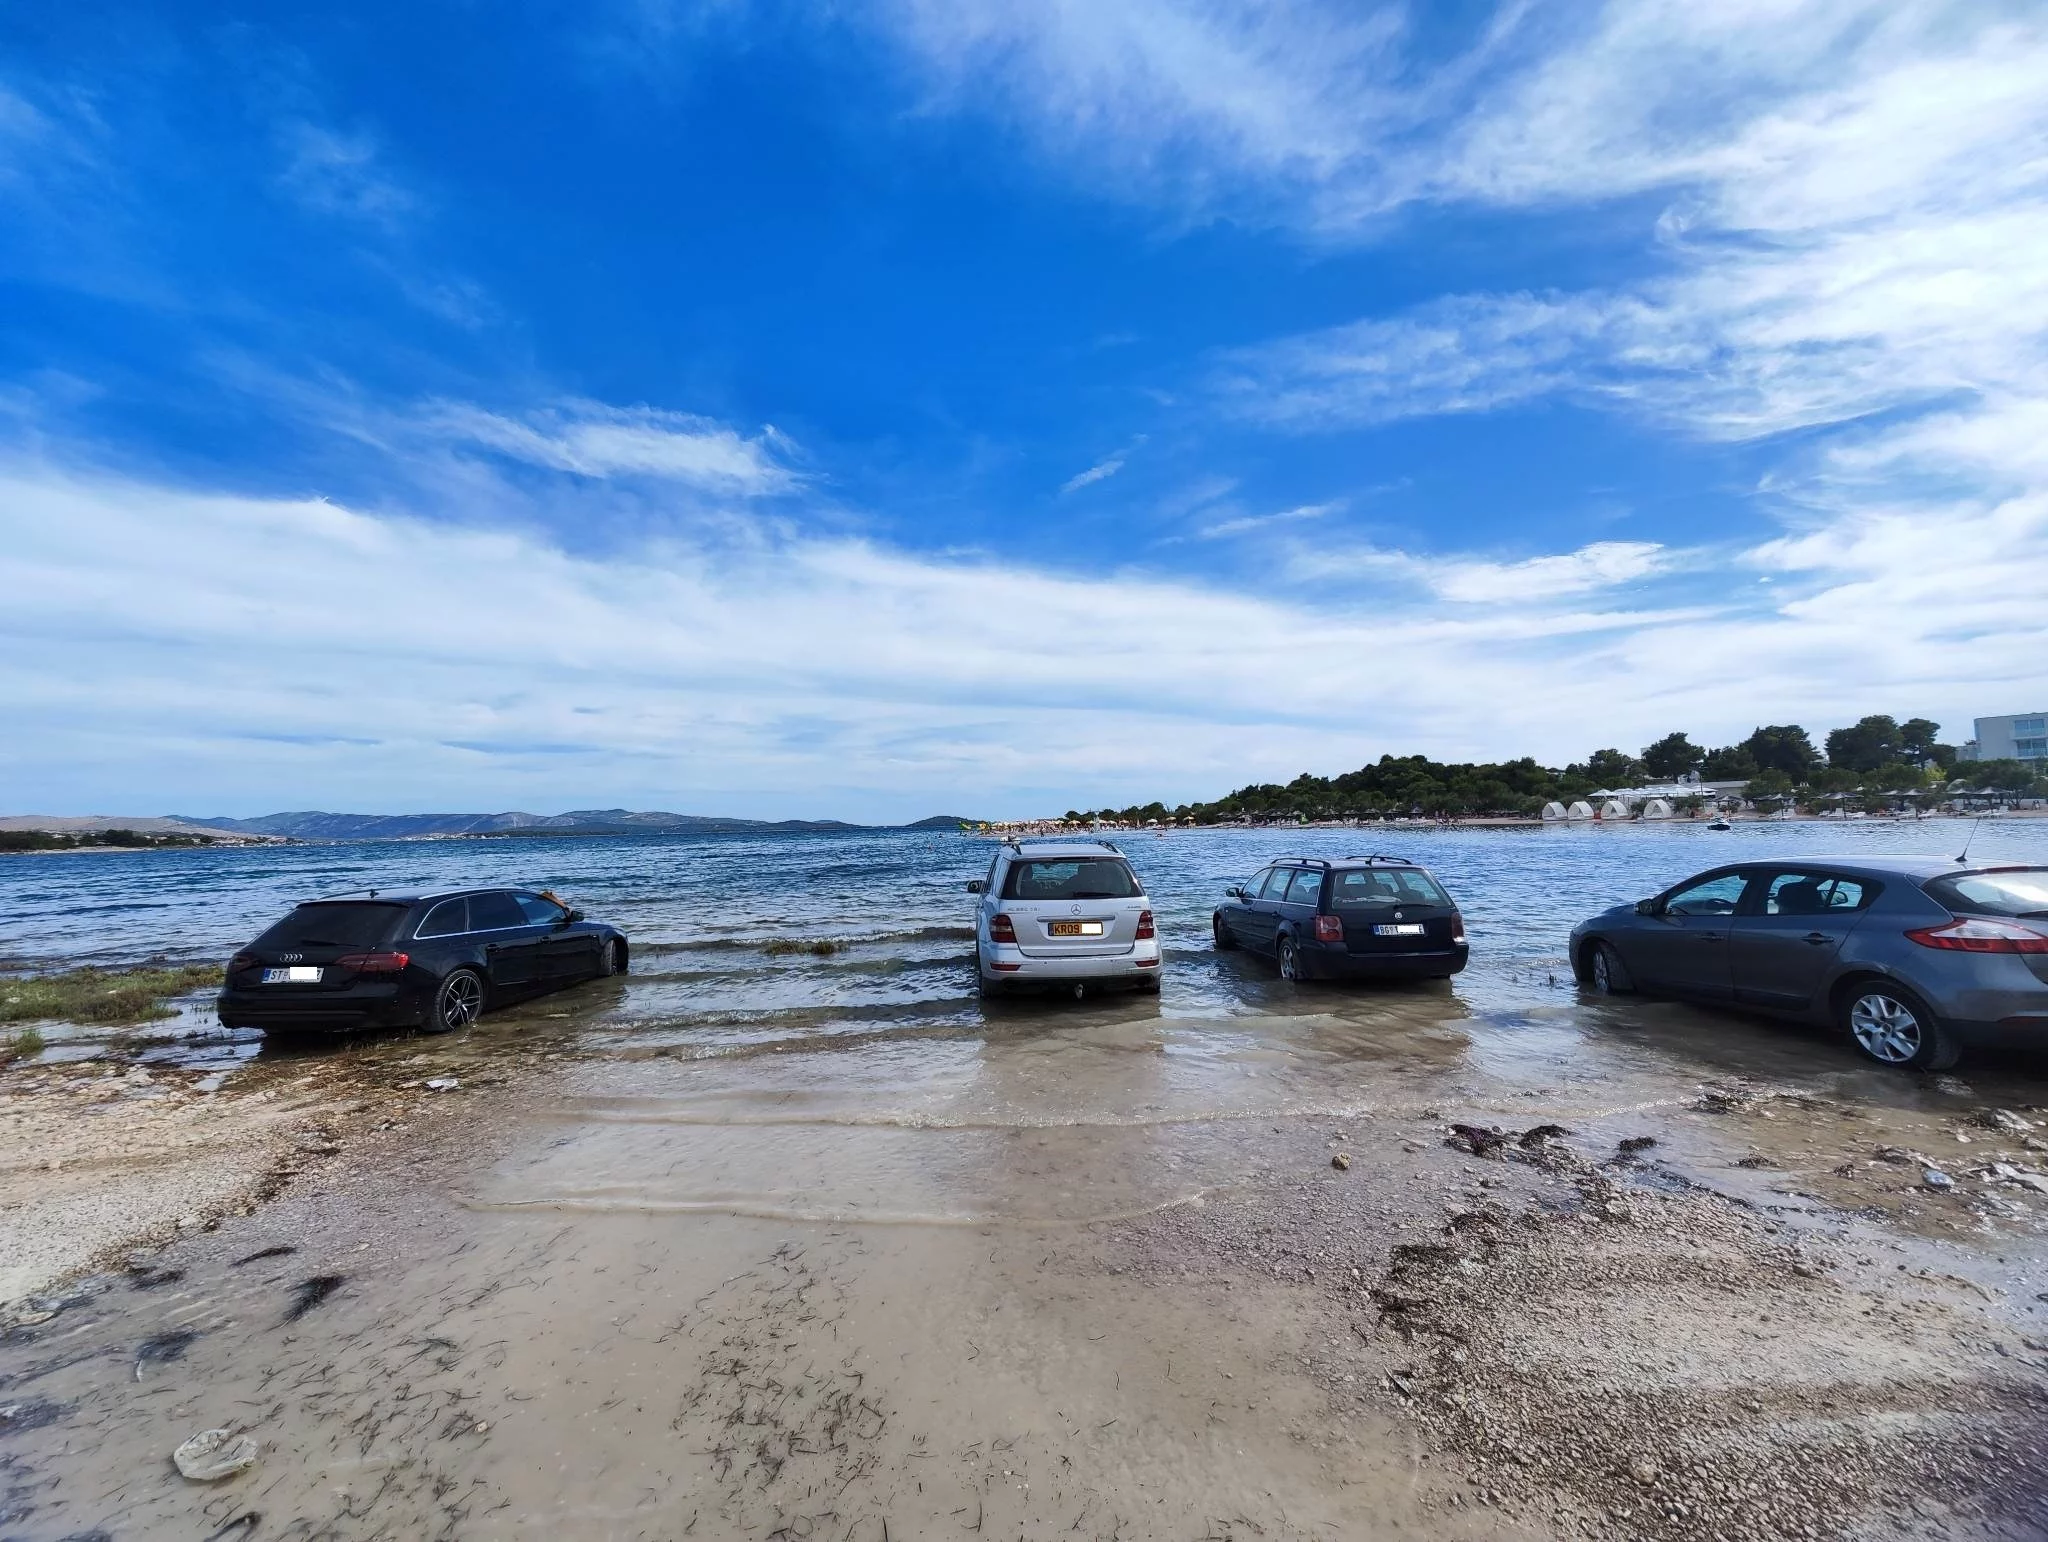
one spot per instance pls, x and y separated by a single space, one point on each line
1877 761
44 840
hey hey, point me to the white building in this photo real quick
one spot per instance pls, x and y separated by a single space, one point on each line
2018 736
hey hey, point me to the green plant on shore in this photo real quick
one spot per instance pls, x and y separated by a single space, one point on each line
783 947
25 1045
101 995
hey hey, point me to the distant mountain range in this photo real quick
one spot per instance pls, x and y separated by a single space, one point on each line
315 826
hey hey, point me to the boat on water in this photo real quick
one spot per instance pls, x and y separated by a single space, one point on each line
1720 824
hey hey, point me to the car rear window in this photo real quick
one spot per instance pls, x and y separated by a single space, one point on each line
1070 878
1387 886
2021 891
333 925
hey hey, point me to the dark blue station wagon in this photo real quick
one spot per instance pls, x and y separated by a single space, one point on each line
1356 918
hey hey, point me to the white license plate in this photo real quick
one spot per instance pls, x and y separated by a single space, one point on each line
1400 929
1073 929
297 974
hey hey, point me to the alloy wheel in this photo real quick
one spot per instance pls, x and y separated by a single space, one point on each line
1886 1027
1603 974
1290 960
462 1000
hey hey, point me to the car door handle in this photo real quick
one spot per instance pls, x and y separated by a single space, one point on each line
490 947
1817 938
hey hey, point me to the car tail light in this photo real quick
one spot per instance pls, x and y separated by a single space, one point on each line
240 962
374 963
1329 928
1457 928
1976 934
1006 968
1001 928
1145 927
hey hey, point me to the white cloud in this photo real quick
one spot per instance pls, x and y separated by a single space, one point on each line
595 440
333 172
1101 472
1461 354
257 653
1200 97
1247 523
1476 581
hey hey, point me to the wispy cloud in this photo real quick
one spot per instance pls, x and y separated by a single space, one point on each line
332 172
1102 471
1245 524
591 439
1477 581
1460 354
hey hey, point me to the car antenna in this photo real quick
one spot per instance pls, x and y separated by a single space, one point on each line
1964 854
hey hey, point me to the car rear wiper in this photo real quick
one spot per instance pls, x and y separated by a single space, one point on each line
1095 894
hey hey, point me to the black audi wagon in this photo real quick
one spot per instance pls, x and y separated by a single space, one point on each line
432 961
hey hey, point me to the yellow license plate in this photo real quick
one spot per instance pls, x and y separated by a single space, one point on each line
1073 929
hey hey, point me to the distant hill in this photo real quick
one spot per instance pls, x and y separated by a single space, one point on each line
317 826
95 824
943 822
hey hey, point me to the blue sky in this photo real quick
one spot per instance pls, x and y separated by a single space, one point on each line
802 409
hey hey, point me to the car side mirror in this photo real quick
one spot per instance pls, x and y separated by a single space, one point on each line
573 915
975 885
1235 891
1650 907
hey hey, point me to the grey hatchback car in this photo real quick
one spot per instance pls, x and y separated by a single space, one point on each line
1913 957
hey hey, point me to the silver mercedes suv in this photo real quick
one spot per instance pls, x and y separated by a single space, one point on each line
1063 914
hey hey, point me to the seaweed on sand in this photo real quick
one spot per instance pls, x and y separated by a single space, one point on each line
783 947
102 995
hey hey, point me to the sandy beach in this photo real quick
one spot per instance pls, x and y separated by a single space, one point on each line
1094 1272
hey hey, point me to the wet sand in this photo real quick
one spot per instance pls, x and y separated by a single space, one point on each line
1088 1272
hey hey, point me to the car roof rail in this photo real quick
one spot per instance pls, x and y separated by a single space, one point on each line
1380 856
1301 861
1021 841
341 894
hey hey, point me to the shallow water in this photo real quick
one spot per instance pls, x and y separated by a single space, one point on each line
700 908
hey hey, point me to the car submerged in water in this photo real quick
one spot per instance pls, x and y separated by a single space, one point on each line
432 961
1064 915
1376 917
1912 957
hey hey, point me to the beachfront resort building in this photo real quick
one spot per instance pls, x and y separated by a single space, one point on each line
2017 736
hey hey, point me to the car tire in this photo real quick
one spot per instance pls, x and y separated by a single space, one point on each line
1606 974
1894 1027
1149 984
458 1003
611 959
1288 955
1225 943
989 989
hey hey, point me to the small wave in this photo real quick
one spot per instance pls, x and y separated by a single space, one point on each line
754 944
599 1111
600 1204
